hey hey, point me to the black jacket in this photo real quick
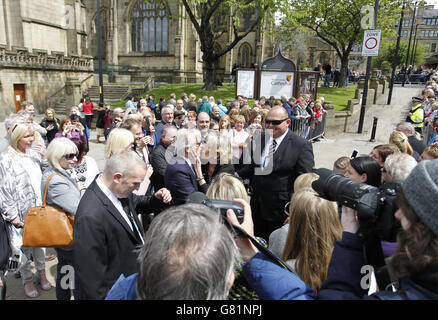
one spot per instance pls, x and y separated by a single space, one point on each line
159 164
103 243
272 191
344 277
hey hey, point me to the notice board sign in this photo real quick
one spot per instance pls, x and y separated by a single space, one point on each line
246 83
277 84
308 84
371 43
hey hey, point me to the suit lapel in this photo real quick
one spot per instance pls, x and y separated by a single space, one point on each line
109 206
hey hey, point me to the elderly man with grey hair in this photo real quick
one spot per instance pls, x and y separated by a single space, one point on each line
414 139
398 166
107 230
167 114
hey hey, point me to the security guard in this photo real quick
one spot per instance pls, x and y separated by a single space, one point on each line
416 114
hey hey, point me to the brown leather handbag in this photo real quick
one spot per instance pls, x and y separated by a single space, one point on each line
48 226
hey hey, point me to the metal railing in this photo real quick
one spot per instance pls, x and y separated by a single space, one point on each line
411 78
428 131
310 131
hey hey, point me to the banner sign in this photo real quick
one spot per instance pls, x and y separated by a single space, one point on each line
277 84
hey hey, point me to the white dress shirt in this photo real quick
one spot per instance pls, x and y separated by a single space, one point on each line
115 201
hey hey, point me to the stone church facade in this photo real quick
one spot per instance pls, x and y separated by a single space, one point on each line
158 39
48 49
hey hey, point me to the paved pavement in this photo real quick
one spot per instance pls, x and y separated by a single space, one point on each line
326 151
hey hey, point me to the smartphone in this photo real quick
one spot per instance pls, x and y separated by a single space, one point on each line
72 127
354 154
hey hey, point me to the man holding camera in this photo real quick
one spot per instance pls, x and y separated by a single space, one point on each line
278 160
190 253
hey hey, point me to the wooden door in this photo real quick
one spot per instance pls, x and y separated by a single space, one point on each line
19 95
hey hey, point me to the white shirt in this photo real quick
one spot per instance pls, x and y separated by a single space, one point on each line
115 201
268 145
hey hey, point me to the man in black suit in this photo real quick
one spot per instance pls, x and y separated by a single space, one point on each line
409 130
183 174
106 229
279 158
160 156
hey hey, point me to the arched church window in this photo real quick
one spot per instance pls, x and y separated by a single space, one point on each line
245 53
149 27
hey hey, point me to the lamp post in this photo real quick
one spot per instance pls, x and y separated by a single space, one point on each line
395 61
409 44
99 51
414 48
367 76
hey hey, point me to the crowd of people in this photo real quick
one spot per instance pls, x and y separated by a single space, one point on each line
138 233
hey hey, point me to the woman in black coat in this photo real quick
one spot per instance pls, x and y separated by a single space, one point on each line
50 123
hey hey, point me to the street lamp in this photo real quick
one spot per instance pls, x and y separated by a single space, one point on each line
99 51
409 44
414 48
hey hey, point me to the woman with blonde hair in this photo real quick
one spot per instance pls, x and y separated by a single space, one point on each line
119 139
64 191
226 187
225 123
401 141
50 123
232 114
314 228
277 239
21 169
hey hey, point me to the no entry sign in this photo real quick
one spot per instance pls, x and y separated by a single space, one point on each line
371 43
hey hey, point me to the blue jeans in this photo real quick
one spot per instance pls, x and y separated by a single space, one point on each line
327 79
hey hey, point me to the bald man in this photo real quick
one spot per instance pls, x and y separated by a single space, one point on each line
280 157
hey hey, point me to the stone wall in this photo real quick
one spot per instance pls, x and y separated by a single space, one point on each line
342 121
42 74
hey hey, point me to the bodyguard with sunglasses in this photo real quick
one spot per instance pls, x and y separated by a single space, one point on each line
280 157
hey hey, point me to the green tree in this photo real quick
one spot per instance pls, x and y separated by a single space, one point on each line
211 22
338 23
387 54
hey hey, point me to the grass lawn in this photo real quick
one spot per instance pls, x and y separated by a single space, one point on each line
338 96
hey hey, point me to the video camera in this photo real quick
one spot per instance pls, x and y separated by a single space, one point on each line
221 205
374 206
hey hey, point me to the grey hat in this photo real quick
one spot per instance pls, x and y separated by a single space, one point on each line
421 191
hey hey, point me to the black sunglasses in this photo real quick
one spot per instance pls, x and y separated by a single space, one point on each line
275 122
70 156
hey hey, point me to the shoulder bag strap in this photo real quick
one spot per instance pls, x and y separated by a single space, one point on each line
45 189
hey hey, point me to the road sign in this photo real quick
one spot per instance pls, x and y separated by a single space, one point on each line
371 43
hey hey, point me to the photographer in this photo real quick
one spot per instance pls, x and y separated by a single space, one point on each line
189 254
415 262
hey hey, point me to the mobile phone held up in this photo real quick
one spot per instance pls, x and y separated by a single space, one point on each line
354 154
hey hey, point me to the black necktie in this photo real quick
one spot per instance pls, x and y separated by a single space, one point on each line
273 147
125 205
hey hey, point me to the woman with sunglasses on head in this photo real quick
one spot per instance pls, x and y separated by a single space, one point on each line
63 191
21 170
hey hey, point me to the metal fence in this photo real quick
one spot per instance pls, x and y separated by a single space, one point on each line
312 131
411 78
428 132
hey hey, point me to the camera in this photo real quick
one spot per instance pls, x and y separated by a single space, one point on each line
374 206
221 205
